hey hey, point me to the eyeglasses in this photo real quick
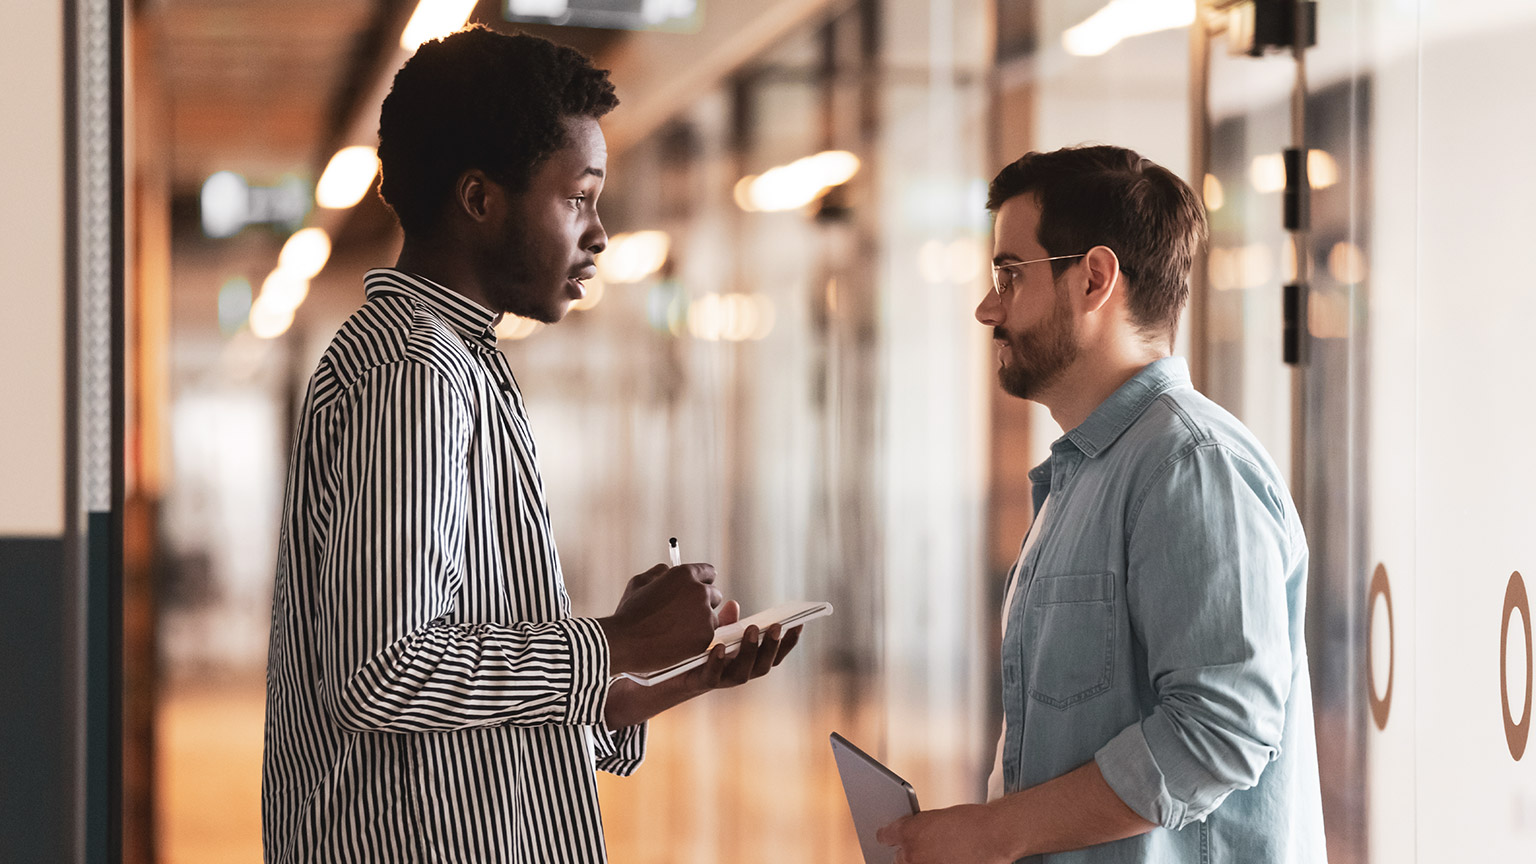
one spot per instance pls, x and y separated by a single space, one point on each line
1002 274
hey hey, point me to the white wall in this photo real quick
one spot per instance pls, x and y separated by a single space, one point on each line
32 245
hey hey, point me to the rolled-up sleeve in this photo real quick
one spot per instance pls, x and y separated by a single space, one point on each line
1206 589
619 751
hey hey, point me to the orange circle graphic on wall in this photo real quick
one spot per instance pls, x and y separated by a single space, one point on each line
1515 598
1381 707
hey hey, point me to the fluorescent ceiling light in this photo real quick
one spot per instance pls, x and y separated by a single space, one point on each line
347 177
1122 19
434 19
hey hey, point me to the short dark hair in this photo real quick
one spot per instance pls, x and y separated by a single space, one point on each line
479 99
1110 196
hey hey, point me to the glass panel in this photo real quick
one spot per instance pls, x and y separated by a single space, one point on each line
1251 257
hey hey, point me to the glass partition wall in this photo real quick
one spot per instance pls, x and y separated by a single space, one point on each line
790 381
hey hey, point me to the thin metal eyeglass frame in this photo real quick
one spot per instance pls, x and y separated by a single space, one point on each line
997 285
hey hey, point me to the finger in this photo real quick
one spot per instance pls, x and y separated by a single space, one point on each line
787 645
704 573
708 675
729 613
767 652
740 670
715 597
890 835
648 576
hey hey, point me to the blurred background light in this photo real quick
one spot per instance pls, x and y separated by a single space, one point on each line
285 204
631 257
1214 195
434 19
234 304
955 263
284 288
347 177
1122 19
226 203
792 186
730 317
270 318
1346 263
1267 173
1322 169
305 253
538 8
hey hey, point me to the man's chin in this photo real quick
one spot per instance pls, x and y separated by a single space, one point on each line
1016 385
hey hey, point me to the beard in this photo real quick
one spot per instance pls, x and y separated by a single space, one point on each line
1038 357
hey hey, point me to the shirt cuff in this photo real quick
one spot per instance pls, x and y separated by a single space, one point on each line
589 671
1131 771
619 752
1145 760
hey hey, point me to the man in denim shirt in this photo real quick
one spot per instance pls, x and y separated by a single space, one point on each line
1156 701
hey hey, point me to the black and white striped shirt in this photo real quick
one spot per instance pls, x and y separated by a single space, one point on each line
430 697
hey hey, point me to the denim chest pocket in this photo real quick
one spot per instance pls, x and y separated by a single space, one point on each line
1071 653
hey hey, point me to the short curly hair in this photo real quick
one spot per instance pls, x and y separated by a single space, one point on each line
479 99
1111 196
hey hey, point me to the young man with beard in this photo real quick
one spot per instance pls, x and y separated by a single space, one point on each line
430 696
1156 700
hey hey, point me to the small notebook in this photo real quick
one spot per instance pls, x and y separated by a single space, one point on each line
789 615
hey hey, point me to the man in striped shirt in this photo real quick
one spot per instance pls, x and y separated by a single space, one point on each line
430 696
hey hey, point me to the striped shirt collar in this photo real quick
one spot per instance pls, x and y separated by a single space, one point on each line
472 321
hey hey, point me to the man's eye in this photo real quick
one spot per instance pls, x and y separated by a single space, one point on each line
577 200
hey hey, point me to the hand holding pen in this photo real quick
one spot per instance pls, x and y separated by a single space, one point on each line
667 614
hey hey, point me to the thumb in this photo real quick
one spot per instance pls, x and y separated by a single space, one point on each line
890 835
729 613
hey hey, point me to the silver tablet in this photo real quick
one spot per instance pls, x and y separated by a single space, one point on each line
876 797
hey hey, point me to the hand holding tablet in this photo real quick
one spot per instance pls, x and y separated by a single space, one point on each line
876 797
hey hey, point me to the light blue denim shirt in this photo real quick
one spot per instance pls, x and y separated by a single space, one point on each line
1158 629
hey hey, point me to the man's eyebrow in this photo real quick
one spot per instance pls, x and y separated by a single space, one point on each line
594 171
1005 258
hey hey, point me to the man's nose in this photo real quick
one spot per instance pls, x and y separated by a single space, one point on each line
990 310
596 239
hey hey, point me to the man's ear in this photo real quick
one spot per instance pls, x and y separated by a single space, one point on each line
473 195
1104 277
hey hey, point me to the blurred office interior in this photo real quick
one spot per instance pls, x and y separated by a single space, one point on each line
778 364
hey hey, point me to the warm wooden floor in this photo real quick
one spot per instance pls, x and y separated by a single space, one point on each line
741 777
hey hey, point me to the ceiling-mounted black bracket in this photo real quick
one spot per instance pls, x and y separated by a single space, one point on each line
1255 27
1298 190
1293 342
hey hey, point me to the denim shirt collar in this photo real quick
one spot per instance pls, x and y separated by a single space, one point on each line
1116 414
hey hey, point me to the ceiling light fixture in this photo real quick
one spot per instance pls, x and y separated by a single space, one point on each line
434 19
347 177
792 186
1122 19
305 253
